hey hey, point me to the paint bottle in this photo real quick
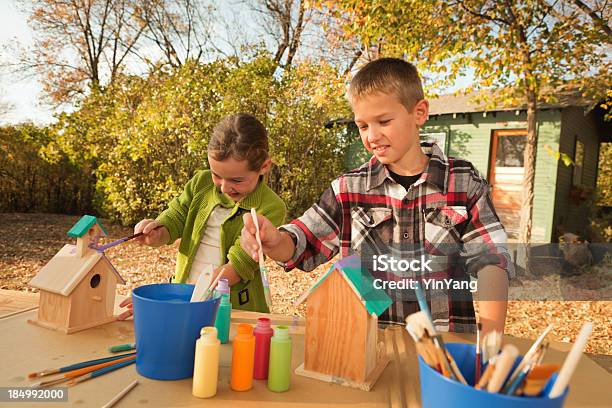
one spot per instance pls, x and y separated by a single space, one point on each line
243 354
222 321
263 333
222 287
206 364
279 376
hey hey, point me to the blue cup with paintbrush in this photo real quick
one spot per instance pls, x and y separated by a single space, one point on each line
450 373
166 326
439 390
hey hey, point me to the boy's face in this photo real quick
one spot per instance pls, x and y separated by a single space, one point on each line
388 130
234 178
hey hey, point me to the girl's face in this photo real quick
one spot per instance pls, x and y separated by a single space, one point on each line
234 178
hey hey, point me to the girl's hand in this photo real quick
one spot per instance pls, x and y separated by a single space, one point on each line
155 234
126 303
269 235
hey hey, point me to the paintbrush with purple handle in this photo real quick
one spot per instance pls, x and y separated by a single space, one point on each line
122 240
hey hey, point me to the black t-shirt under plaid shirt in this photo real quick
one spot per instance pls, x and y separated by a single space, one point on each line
447 208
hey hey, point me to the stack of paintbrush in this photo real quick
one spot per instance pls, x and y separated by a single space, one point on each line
79 372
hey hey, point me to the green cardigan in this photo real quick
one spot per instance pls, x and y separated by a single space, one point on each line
186 219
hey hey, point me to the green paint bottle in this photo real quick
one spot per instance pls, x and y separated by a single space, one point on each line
279 374
222 321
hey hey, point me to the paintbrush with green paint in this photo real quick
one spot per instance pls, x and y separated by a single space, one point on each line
262 266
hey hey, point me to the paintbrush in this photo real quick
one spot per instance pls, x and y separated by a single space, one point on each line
491 344
81 371
121 240
513 385
571 361
262 266
121 394
448 365
100 372
213 284
537 378
75 366
530 353
503 365
478 358
486 376
423 345
422 300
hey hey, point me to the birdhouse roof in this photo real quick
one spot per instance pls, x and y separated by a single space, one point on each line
83 225
66 270
361 282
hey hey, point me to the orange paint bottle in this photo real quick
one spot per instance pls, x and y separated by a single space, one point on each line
243 358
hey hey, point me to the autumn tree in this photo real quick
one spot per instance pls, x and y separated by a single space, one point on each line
80 44
521 49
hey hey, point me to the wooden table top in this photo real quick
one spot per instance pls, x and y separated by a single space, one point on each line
26 348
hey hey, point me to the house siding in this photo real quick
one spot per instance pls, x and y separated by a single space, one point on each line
575 125
471 136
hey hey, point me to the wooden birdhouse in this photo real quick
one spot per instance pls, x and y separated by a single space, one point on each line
341 337
77 286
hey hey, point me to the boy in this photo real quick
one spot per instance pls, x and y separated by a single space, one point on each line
407 194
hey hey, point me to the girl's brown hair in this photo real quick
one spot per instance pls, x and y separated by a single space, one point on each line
242 137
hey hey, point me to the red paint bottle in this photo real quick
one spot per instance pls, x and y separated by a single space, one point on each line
263 333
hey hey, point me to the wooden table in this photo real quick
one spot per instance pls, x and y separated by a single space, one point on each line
26 348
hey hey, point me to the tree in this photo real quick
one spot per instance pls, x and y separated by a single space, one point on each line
80 44
143 138
180 29
520 49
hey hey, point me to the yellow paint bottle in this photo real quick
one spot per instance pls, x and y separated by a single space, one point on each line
206 364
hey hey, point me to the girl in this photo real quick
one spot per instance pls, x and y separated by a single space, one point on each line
207 216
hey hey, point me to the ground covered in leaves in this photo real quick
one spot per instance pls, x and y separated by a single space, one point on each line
28 241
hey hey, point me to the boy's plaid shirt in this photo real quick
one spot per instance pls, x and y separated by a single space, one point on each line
448 211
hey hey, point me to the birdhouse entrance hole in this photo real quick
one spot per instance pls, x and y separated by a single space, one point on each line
95 280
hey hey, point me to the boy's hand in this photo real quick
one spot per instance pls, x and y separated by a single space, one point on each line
155 234
269 235
129 312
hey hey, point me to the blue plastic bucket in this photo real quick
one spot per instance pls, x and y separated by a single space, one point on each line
438 391
166 326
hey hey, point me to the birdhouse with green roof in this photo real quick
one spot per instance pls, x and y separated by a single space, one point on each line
341 338
86 231
77 286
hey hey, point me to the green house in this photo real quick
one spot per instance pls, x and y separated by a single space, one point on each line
494 141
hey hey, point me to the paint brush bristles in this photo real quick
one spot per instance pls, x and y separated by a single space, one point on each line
491 345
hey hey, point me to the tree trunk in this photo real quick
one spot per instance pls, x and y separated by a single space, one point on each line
529 164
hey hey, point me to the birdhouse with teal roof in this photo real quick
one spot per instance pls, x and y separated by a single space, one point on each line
341 338
77 286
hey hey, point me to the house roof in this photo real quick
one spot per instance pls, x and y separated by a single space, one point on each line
361 282
448 104
66 270
83 225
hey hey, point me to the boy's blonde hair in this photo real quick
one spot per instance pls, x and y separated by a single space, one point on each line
242 137
391 76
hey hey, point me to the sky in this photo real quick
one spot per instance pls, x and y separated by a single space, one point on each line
25 94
